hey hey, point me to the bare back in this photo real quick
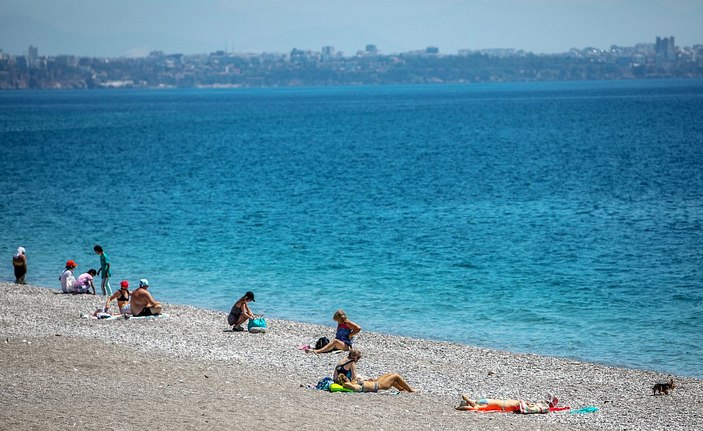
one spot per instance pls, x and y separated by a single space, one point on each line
140 299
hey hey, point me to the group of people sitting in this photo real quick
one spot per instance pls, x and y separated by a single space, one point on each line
139 303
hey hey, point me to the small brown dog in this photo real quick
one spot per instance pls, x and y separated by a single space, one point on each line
663 387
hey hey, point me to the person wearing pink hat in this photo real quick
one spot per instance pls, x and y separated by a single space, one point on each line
67 279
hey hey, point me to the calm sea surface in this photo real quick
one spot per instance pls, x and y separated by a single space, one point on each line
555 218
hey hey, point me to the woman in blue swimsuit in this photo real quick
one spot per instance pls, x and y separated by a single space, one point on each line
346 330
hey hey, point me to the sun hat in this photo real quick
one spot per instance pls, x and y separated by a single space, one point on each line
71 264
124 283
143 282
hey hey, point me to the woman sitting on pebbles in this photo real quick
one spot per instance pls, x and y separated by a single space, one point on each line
346 329
345 375
122 297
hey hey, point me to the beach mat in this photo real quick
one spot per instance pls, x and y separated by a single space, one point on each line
119 316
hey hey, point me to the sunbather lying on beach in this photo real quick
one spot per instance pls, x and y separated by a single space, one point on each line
240 312
498 405
345 375
346 329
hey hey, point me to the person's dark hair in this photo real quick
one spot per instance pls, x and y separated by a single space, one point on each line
92 272
249 295
98 248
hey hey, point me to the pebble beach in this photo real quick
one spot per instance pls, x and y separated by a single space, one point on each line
189 371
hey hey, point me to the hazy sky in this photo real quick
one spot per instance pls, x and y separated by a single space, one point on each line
136 27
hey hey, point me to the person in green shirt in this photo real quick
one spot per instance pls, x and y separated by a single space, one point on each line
104 270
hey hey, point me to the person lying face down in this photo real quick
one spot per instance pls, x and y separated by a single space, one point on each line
499 405
345 375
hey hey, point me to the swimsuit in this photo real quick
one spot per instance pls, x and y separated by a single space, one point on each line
363 389
145 313
343 331
19 266
343 371
124 296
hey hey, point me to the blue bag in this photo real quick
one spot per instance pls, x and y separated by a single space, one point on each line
257 325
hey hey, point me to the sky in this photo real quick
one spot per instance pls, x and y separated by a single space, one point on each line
133 28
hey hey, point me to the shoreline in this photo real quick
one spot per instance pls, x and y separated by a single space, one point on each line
257 378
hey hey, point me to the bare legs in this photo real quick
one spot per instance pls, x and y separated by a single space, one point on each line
330 346
386 381
490 404
393 380
242 318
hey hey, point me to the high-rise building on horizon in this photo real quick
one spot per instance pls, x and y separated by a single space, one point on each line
665 48
32 55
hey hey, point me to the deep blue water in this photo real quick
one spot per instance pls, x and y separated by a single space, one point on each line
555 218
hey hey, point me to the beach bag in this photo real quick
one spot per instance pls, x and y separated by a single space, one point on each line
257 325
324 384
322 342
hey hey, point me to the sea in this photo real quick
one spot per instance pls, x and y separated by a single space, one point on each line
556 218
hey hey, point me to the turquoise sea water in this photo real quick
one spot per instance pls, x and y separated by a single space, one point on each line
554 218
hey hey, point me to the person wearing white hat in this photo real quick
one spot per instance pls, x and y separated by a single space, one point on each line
19 263
142 303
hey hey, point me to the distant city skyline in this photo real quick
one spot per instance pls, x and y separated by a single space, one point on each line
133 28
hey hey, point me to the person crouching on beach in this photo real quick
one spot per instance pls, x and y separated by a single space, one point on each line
345 375
141 302
67 279
19 264
240 312
84 282
346 330
122 297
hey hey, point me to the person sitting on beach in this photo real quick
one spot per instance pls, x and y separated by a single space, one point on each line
19 263
501 405
67 279
122 297
346 329
141 302
84 282
240 312
345 375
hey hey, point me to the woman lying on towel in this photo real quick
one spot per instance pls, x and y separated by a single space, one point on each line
507 405
345 375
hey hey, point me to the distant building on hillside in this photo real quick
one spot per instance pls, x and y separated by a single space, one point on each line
665 48
32 56
327 53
